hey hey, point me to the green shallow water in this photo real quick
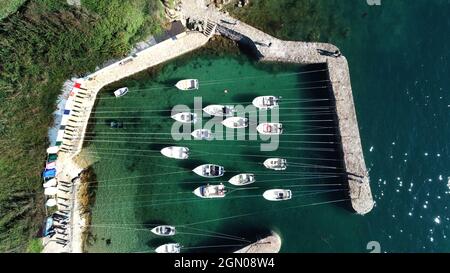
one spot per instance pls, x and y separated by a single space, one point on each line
399 61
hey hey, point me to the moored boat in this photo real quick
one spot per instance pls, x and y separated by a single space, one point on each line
210 191
235 122
242 179
176 152
219 110
277 164
121 92
209 170
204 134
164 230
277 195
168 248
270 128
188 84
266 102
185 117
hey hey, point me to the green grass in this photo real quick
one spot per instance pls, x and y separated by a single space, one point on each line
35 246
41 46
9 6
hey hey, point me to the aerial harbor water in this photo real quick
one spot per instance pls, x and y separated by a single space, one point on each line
402 101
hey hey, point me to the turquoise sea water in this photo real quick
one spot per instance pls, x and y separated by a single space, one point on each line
399 60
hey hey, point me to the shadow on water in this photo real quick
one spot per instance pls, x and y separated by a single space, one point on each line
244 97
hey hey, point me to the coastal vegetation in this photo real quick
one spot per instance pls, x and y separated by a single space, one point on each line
42 44
303 20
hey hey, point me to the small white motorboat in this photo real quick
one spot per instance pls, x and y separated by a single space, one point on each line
270 128
188 84
51 183
277 164
242 179
209 170
204 134
277 195
50 191
235 122
185 117
210 191
164 230
121 92
176 152
266 102
168 248
219 110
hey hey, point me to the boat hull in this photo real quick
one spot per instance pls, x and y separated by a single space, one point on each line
242 179
219 110
277 195
219 171
185 117
270 128
203 134
161 230
168 248
175 152
270 163
188 84
121 92
265 102
235 122
210 191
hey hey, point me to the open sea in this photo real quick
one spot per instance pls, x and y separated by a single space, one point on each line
398 55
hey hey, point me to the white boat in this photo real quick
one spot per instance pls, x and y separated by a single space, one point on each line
266 102
164 230
185 117
210 191
277 195
51 203
176 152
51 183
51 191
242 179
188 84
277 164
121 92
204 134
235 122
209 170
270 128
168 248
219 110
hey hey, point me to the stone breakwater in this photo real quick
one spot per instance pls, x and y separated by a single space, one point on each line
269 48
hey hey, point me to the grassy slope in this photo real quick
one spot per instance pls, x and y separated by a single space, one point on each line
41 46
9 6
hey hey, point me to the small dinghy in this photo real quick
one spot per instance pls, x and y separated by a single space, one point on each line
121 92
210 191
164 230
203 134
168 248
277 195
185 117
209 170
235 122
219 110
188 84
277 164
270 128
176 152
242 179
266 102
